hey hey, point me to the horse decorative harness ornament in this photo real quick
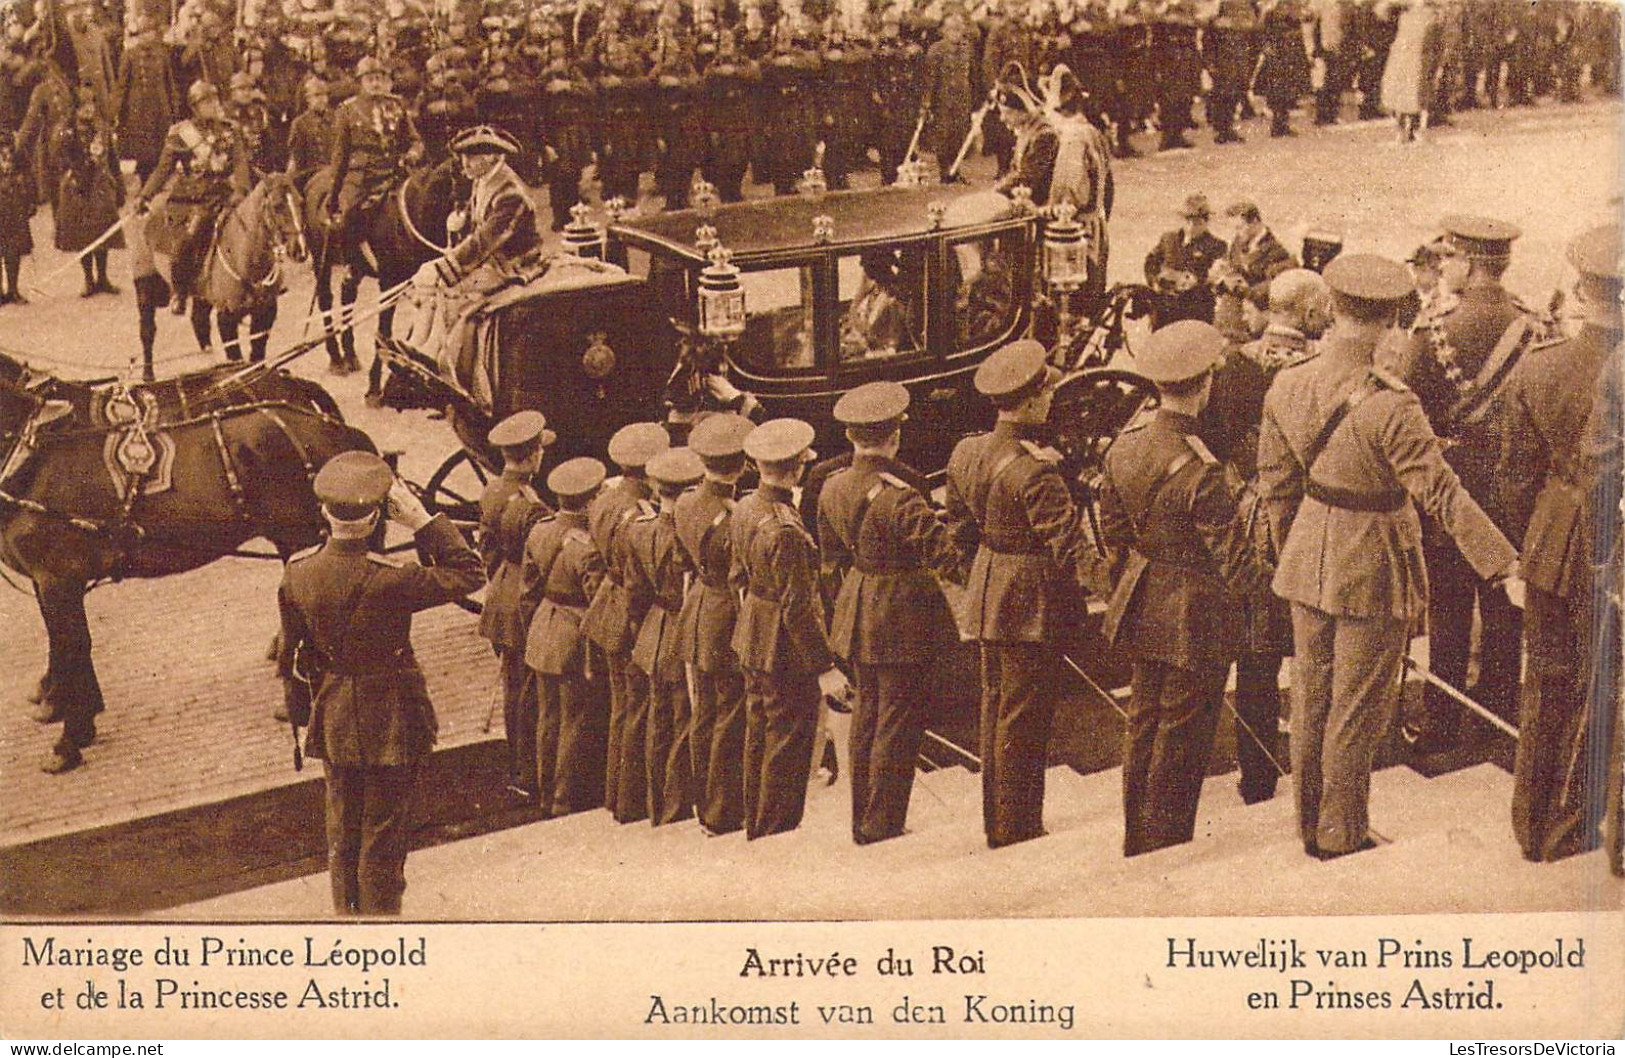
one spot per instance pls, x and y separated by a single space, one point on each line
138 455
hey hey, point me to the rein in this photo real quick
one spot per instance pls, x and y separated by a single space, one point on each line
406 219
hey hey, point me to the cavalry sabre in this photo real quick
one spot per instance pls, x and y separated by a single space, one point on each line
116 227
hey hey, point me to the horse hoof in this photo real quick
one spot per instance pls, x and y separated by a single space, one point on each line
61 759
374 398
46 713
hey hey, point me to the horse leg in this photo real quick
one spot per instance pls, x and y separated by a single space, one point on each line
324 302
375 374
201 312
262 320
148 326
230 325
72 691
349 291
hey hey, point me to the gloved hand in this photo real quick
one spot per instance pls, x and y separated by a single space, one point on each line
426 278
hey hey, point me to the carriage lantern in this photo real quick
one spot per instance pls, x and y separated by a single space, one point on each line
1066 251
1320 245
581 236
722 298
1021 197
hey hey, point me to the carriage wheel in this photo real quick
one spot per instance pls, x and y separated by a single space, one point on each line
454 489
1088 412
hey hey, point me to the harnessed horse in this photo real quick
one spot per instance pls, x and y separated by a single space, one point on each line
401 232
107 481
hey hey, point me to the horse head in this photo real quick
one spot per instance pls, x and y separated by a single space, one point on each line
282 215
442 191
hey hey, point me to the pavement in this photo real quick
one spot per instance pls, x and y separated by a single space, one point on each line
182 659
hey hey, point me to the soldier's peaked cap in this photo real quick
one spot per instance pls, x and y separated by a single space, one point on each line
1598 253
1368 277
678 467
353 479
1014 368
576 477
520 428
780 441
1480 236
632 446
483 139
1180 351
873 404
720 436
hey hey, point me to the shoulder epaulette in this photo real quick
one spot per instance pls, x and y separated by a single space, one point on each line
1042 453
646 510
382 560
893 480
1388 380
306 553
1202 451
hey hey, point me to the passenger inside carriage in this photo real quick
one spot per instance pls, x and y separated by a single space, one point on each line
882 317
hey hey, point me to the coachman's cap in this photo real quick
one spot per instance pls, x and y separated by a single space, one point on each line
1481 237
521 427
1598 253
676 468
1180 352
576 477
781 441
1013 370
1368 277
483 139
873 405
1196 206
353 480
634 445
720 436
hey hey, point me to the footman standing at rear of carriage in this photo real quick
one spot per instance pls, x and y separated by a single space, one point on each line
1345 456
508 508
779 637
1188 565
1008 502
347 664
562 569
891 622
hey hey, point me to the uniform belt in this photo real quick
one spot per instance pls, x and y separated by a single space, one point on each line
403 661
570 600
716 583
1386 501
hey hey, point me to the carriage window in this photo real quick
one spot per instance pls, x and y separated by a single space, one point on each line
982 275
882 295
779 333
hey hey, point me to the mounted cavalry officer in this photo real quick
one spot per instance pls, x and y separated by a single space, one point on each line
1548 473
1457 363
1008 502
375 137
503 243
882 538
508 508
1345 459
347 665
1165 502
207 161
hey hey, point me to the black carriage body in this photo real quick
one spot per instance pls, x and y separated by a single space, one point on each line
964 290
591 358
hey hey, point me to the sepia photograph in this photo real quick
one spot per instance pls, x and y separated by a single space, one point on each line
1066 468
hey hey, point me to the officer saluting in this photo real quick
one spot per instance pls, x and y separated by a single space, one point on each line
716 686
347 665
1546 474
1165 500
1008 501
779 637
1344 450
891 622
562 569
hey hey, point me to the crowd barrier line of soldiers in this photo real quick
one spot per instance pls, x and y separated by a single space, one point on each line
1341 453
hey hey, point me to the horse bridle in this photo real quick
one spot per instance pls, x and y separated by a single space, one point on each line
406 218
278 246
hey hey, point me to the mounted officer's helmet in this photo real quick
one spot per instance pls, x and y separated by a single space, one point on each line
200 92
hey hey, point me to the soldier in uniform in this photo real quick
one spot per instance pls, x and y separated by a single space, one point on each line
1008 502
787 124
1300 310
1166 508
841 101
611 623
571 107
1228 55
311 136
561 571
779 635
1456 364
1178 73
680 136
949 80
375 136
1344 451
706 624
882 540
659 571
1177 267
508 507
253 120
209 164
726 116
347 665
1546 476
443 107
1131 43
623 93
896 98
